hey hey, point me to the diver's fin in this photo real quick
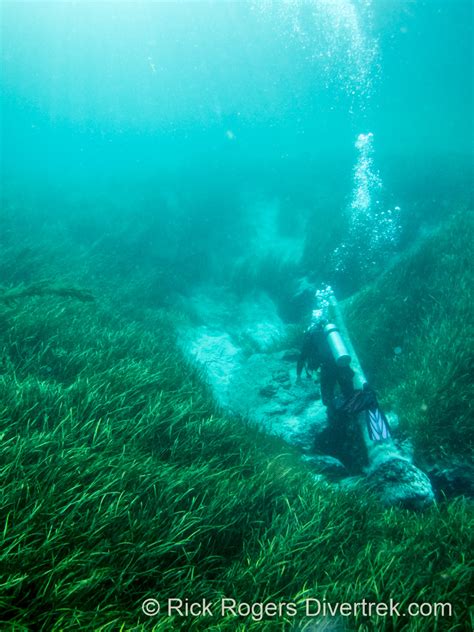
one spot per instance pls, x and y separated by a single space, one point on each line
377 425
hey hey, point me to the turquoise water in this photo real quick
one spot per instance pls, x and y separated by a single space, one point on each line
179 181
189 114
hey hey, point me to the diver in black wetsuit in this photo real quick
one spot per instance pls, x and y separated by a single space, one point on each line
315 353
324 347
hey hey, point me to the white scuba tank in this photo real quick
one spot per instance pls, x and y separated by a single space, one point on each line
337 345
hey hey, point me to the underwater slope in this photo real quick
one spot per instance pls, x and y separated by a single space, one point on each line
249 360
414 330
121 482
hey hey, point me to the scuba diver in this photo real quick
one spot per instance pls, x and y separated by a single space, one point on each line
324 347
316 353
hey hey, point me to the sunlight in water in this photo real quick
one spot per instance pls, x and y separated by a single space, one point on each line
339 41
336 35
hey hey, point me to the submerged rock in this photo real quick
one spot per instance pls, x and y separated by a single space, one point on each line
291 355
453 479
327 465
262 386
397 482
252 322
217 354
246 377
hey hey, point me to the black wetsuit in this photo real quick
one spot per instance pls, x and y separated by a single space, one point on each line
316 353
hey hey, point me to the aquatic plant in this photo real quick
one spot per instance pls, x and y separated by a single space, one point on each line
10 295
122 481
413 330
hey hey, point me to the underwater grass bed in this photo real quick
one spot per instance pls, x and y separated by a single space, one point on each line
414 332
121 481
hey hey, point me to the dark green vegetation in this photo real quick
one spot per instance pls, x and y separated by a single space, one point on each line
121 481
423 305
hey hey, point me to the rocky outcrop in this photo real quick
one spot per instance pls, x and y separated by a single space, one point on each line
398 482
232 342
261 387
452 479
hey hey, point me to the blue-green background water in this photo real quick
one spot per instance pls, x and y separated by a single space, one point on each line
180 115
177 179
